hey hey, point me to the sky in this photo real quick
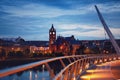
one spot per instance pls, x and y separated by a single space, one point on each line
32 19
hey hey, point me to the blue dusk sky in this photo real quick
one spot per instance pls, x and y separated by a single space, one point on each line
32 19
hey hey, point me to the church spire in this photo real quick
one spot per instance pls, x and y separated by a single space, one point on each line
52 28
52 25
52 35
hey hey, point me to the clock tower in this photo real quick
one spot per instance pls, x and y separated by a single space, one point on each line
52 35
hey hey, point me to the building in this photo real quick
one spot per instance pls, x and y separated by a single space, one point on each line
66 45
52 38
38 46
12 45
19 44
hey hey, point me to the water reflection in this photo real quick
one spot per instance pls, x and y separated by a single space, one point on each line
37 73
33 74
43 70
30 75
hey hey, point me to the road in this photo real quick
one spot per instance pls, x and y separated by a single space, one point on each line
106 71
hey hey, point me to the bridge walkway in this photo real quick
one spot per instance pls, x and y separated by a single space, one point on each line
105 71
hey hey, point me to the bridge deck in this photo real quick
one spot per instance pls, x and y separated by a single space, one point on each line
106 71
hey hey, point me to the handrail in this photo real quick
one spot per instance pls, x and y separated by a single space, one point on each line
68 66
61 72
17 69
13 70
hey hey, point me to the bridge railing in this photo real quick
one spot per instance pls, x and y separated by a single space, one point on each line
75 69
47 62
63 68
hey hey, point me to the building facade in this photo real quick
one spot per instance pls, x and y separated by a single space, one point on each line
65 45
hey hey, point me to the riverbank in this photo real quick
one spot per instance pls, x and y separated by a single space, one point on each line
19 61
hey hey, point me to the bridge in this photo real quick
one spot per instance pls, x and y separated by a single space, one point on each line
69 67
64 68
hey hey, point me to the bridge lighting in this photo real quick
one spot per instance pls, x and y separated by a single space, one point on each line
87 65
86 77
80 70
110 59
105 60
118 57
74 78
95 76
100 60
95 62
107 52
114 58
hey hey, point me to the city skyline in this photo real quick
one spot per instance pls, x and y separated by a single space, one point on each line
33 19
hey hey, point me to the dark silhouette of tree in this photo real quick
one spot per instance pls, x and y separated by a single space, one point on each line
19 54
2 53
59 54
80 50
11 54
27 52
95 50
71 50
35 55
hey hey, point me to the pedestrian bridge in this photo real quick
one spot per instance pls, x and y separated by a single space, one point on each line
64 68
68 67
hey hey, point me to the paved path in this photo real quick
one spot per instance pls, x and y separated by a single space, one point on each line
106 71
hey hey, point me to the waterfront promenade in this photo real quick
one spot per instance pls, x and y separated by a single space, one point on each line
105 71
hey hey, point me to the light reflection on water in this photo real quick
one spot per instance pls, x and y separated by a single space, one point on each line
28 75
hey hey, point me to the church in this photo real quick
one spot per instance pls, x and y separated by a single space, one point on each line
60 44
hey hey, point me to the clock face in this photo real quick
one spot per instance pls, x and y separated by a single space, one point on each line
52 32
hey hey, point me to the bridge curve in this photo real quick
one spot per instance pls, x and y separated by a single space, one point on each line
71 67
38 63
76 66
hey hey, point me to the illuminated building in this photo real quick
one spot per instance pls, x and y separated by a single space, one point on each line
52 35
62 44
67 45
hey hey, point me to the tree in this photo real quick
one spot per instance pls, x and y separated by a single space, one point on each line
2 53
95 50
59 54
27 52
80 50
19 54
71 50
11 54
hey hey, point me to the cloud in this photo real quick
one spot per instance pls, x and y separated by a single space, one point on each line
86 30
36 10
77 26
109 8
40 10
35 18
